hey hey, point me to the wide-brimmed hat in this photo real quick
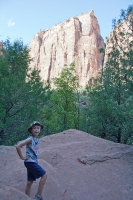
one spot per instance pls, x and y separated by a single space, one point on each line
33 124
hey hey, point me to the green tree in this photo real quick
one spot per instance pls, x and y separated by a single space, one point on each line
63 103
111 113
20 100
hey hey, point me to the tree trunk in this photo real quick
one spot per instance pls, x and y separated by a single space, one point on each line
119 135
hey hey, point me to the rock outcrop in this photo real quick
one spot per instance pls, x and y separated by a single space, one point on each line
121 37
77 40
1 46
79 167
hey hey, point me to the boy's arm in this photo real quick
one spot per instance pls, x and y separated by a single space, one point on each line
20 145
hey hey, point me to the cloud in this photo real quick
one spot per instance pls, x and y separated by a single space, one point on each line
10 23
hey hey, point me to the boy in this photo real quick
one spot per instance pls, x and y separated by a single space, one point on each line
34 170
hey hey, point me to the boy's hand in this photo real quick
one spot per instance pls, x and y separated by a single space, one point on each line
20 145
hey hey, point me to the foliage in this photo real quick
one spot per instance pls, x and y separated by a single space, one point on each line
19 99
110 115
62 112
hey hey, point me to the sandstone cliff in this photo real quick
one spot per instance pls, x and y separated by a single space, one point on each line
76 40
121 37
1 46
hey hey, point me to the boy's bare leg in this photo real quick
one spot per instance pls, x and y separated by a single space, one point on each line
41 184
28 187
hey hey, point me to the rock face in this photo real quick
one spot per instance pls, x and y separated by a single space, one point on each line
121 37
79 167
77 40
1 46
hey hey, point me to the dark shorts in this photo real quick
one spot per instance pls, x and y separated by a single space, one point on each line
34 171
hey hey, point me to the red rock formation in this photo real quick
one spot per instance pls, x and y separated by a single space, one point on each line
79 167
76 40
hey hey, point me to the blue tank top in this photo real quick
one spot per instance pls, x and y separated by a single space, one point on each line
32 150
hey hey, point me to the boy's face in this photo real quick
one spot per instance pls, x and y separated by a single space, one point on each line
36 129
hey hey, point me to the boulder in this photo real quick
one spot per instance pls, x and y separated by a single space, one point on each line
79 167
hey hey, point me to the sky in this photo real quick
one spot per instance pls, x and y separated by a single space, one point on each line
22 19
